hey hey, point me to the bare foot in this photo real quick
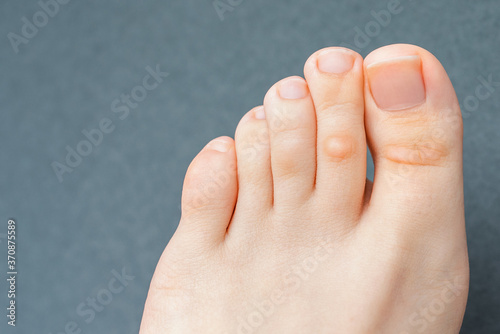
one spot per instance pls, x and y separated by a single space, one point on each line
282 233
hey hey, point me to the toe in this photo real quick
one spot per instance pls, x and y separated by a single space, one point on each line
255 184
292 131
209 193
335 79
414 130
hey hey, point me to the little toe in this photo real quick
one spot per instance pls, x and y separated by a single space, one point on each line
209 192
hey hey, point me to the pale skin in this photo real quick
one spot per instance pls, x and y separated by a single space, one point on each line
281 232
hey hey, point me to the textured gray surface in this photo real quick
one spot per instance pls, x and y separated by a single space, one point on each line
120 206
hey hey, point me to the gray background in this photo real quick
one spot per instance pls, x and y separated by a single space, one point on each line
120 206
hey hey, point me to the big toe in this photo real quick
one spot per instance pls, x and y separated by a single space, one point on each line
414 131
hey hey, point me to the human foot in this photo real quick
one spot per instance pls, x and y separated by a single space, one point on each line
281 232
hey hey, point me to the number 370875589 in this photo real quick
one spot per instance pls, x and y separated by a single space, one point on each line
11 244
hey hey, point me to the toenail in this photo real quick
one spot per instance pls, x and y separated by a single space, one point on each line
292 89
397 83
219 145
336 61
259 113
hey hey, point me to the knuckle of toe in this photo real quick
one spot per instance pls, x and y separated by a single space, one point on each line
284 125
425 141
418 153
329 107
253 145
286 168
340 148
285 120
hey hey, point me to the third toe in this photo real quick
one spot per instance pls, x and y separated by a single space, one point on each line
292 131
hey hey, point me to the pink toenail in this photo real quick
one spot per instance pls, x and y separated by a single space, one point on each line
293 88
219 145
335 61
397 83
259 113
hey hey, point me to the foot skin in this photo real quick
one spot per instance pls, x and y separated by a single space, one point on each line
282 233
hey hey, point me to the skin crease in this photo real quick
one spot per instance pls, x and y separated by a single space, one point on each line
282 233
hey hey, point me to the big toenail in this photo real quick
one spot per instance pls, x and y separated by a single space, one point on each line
397 83
292 89
219 145
335 61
